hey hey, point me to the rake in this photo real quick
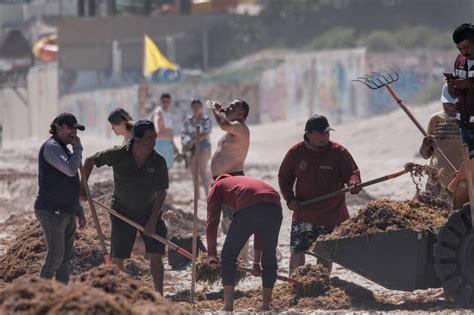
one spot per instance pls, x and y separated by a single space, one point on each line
384 78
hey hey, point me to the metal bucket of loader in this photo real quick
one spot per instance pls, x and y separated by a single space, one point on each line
397 260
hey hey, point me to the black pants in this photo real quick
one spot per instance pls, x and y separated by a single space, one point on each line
263 219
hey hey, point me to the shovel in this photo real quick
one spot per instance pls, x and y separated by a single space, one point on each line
347 189
171 245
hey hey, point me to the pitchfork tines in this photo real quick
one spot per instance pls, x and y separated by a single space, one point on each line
376 80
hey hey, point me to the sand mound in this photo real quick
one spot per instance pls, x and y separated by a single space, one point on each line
312 280
137 266
99 291
27 252
337 295
389 215
340 295
112 280
123 287
8 228
32 295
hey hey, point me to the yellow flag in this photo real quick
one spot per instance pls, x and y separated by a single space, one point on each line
154 59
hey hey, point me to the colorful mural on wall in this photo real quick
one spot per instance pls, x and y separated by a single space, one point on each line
301 85
310 83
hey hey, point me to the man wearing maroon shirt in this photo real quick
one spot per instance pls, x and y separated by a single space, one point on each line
319 166
257 210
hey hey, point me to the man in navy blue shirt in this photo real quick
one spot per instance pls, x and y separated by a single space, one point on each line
57 205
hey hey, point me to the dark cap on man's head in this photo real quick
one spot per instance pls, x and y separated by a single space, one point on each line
69 120
318 123
141 126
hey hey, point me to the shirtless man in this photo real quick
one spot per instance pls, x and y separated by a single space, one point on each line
234 145
232 149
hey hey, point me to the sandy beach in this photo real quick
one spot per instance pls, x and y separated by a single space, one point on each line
380 145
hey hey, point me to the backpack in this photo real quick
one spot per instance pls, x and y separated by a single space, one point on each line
178 261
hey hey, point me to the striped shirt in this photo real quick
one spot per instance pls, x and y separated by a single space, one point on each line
189 128
448 138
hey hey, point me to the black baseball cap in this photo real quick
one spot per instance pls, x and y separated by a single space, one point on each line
68 119
318 123
141 126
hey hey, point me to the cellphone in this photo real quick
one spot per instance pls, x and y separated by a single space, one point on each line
449 75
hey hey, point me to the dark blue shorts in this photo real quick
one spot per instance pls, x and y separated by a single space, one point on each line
203 145
123 236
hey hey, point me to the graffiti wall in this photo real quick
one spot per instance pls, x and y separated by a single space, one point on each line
421 77
310 83
302 85
93 108
298 86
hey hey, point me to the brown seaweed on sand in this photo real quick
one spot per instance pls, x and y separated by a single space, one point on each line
32 295
389 215
206 274
312 280
26 253
418 172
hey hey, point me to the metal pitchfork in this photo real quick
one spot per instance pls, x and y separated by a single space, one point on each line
384 78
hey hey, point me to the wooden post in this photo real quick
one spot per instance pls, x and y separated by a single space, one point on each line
95 217
468 171
196 203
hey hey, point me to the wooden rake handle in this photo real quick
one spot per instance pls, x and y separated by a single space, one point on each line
195 213
418 125
95 217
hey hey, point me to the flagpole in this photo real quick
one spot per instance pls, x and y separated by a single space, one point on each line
144 56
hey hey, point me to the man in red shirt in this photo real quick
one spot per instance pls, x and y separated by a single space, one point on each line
257 210
319 167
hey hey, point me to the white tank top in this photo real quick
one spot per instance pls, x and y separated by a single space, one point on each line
167 117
